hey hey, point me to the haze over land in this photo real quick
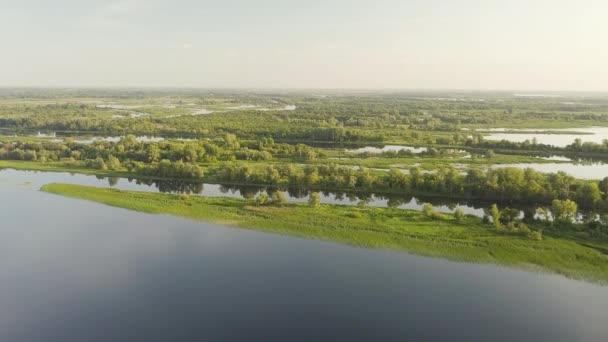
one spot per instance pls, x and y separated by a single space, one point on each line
486 45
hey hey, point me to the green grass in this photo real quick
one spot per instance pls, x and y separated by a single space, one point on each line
385 228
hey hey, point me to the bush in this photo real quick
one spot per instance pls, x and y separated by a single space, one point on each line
508 216
428 210
262 199
279 199
113 163
523 228
354 214
97 164
458 215
535 235
29 155
314 200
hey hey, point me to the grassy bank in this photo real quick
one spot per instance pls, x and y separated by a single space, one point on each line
385 228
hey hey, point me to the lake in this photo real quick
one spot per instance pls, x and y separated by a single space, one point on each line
588 134
73 270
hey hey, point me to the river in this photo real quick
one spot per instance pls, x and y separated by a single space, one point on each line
73 270
35 179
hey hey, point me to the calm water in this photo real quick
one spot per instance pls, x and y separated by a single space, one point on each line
596 170
593 134
387 148
37 179
73 270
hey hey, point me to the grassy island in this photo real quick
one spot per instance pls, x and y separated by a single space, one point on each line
439 235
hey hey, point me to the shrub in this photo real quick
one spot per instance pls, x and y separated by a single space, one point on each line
97 164
113 163
535 235
262 199
495 216
314 200
362 203
428 210
458 214
278 198
354 214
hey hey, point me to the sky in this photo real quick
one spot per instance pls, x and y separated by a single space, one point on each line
346 44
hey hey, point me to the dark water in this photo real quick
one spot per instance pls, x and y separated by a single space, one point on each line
72 270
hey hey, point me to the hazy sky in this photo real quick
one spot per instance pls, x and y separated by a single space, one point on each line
425 44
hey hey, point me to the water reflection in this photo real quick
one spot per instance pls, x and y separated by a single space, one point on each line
403 201
583 170
79 271
388 148
588 134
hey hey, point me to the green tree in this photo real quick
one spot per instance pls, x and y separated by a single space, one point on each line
231 141
29 155
129 141
98 164
113 163
564 211
589 194
261 199
314 200
508 216
278 198
428 210
397 179
153 153
495 213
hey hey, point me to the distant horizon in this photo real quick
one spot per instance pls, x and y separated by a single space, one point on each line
514 92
